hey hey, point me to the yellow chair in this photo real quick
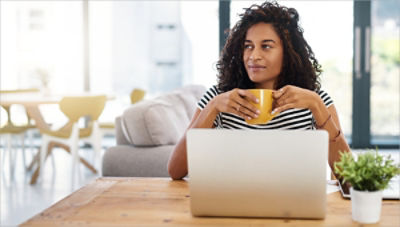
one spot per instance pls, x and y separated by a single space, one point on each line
68 136
10 133
137 95
10 123
10 129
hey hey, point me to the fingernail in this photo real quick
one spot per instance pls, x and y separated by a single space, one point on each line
258 112
249 118
255 115
257 100
273 112
280 90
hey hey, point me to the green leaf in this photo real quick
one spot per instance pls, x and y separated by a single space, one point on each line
370 171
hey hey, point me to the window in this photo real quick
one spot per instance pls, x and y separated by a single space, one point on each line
385 71
41 45
157 46
376 70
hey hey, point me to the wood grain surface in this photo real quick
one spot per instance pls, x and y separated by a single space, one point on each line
158 201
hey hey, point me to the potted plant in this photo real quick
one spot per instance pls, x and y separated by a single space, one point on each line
368 176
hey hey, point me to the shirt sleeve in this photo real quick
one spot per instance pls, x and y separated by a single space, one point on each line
208 95
325 98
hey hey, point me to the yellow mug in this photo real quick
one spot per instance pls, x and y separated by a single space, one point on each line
264 105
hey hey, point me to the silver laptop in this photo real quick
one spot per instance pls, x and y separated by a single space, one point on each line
265 173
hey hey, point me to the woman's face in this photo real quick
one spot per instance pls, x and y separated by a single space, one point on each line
263 55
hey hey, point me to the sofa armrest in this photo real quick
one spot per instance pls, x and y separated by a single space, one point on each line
119 134
131 161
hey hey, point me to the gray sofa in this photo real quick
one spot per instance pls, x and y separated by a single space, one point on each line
147 132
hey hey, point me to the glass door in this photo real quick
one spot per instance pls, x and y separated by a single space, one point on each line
385 72
376 72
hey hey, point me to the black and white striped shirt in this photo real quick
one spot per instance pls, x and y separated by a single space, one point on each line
298 119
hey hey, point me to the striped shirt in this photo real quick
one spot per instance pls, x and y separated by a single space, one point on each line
297 119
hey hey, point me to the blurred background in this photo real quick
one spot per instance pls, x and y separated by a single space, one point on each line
112 47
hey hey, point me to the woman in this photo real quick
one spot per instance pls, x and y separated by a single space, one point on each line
265 49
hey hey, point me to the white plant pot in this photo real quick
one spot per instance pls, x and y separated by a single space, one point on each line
366 206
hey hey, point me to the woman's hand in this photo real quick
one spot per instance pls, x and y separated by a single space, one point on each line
294 97
237 101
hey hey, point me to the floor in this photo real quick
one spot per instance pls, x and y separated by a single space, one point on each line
21 201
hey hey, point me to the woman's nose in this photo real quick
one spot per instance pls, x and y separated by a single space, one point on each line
255 54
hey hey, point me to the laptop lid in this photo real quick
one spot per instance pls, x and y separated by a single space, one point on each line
266 173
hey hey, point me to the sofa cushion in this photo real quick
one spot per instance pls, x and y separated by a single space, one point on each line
161 121
190 95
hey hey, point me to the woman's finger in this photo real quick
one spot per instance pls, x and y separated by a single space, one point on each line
243 100
282 100
239 111
236 108
283 108
248 112
277 94
248 95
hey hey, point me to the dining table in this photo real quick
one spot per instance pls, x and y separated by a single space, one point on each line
31 102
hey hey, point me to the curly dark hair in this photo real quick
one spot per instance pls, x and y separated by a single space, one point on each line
299 68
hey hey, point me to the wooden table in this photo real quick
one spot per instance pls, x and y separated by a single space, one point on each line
156 201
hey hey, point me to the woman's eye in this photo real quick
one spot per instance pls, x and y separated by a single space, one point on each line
247 46
266 46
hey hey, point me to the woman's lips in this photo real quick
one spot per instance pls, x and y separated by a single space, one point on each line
256 68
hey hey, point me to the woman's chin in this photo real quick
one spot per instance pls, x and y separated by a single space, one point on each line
254 78
257 79
262 81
